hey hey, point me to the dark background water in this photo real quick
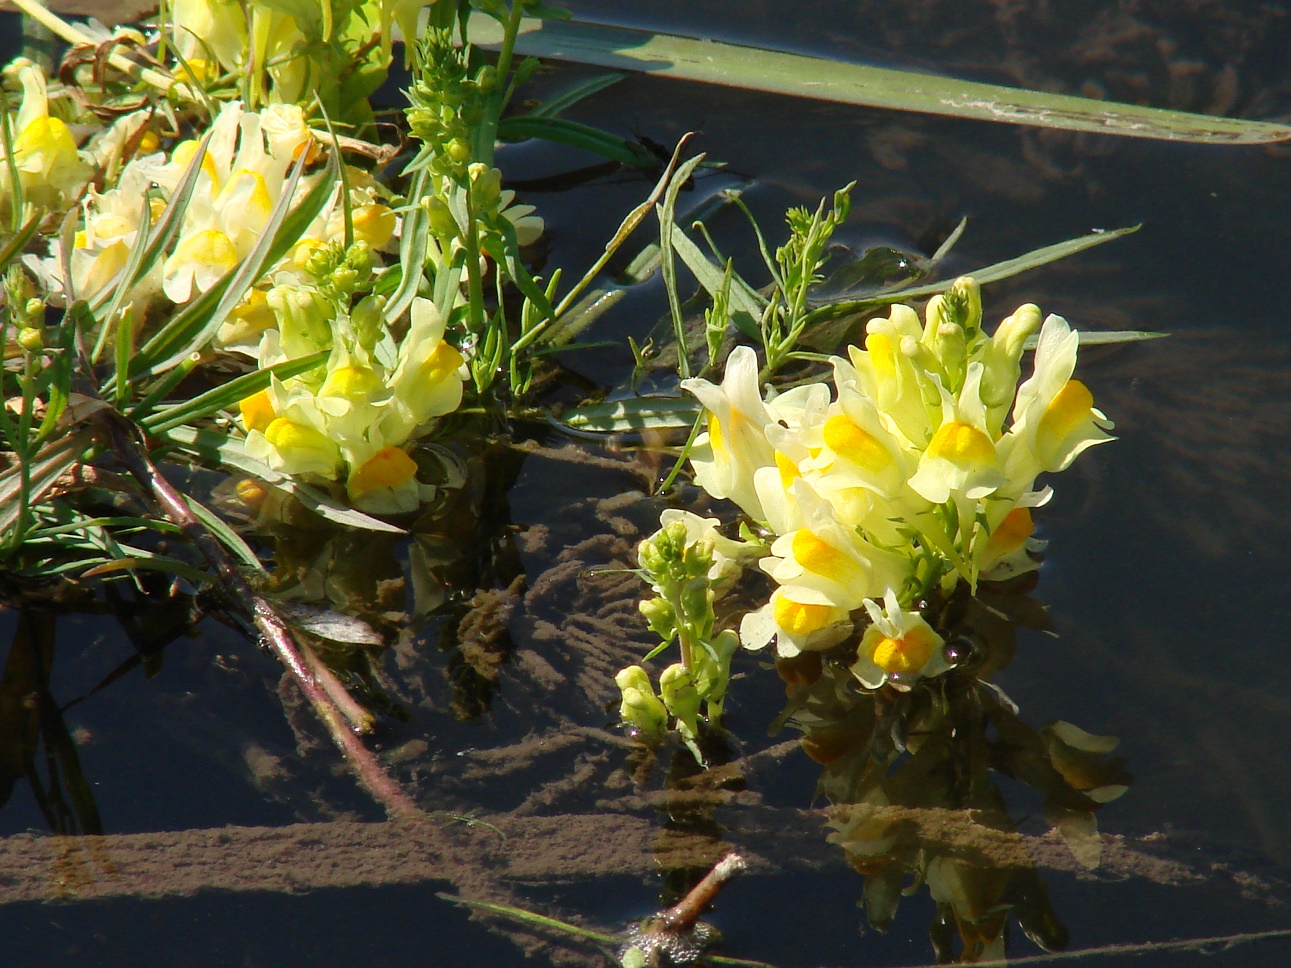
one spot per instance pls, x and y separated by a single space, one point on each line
1167 560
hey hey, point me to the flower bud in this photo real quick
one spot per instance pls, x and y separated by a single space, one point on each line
1002 355
660 616
677 689
640 708
964 306
458 151
32 340
442 223
486 186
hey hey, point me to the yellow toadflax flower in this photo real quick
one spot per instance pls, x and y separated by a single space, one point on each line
50 168
898 648
1054 417
727 457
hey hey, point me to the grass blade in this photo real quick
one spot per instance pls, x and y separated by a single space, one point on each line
227 395
799 75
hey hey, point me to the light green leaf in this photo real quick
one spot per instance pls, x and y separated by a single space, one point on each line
227 395
733 65
634 415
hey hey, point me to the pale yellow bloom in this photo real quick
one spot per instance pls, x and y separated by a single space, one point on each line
50 168
899 647
728 456
960 459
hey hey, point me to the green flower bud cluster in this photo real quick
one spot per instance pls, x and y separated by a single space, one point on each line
682 569
26 310
446 101
340 272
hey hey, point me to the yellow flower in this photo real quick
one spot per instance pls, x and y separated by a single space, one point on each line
50 168
728 456
1054 416
898 648
428 376
960 459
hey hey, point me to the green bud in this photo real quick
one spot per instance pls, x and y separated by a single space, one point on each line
660 617
711 674
359 256
697 600
32 340
964 306
486 187
486 80
677 689
458 151
35 310
640 708
344 280
442 223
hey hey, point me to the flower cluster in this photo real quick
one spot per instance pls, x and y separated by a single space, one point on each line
917 471
294 52
350 420
242 174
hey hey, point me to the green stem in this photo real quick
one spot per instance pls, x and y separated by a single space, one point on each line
488 130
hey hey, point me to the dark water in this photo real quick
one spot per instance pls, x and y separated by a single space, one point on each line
1164 579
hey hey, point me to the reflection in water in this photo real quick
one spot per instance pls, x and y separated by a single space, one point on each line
909 775
348 591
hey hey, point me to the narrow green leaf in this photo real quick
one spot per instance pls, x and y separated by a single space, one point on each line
226 535
1110 337
563 100
576 135
633 415
414 240
53 460
228 395
221 450
837 308
171 566
743 297
800 75
18 241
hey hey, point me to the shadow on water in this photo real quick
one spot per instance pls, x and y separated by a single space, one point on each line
197 822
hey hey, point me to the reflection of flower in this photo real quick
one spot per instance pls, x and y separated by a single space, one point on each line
911 778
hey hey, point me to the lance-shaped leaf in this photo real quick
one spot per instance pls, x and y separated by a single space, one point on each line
800 75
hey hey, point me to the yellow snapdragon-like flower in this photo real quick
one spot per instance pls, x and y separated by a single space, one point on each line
364 411
49 166
729 455
898 648
1055 417
960 459
904 480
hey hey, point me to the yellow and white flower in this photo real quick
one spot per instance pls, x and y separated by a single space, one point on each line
727 457
1054 416
898 648
50 169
